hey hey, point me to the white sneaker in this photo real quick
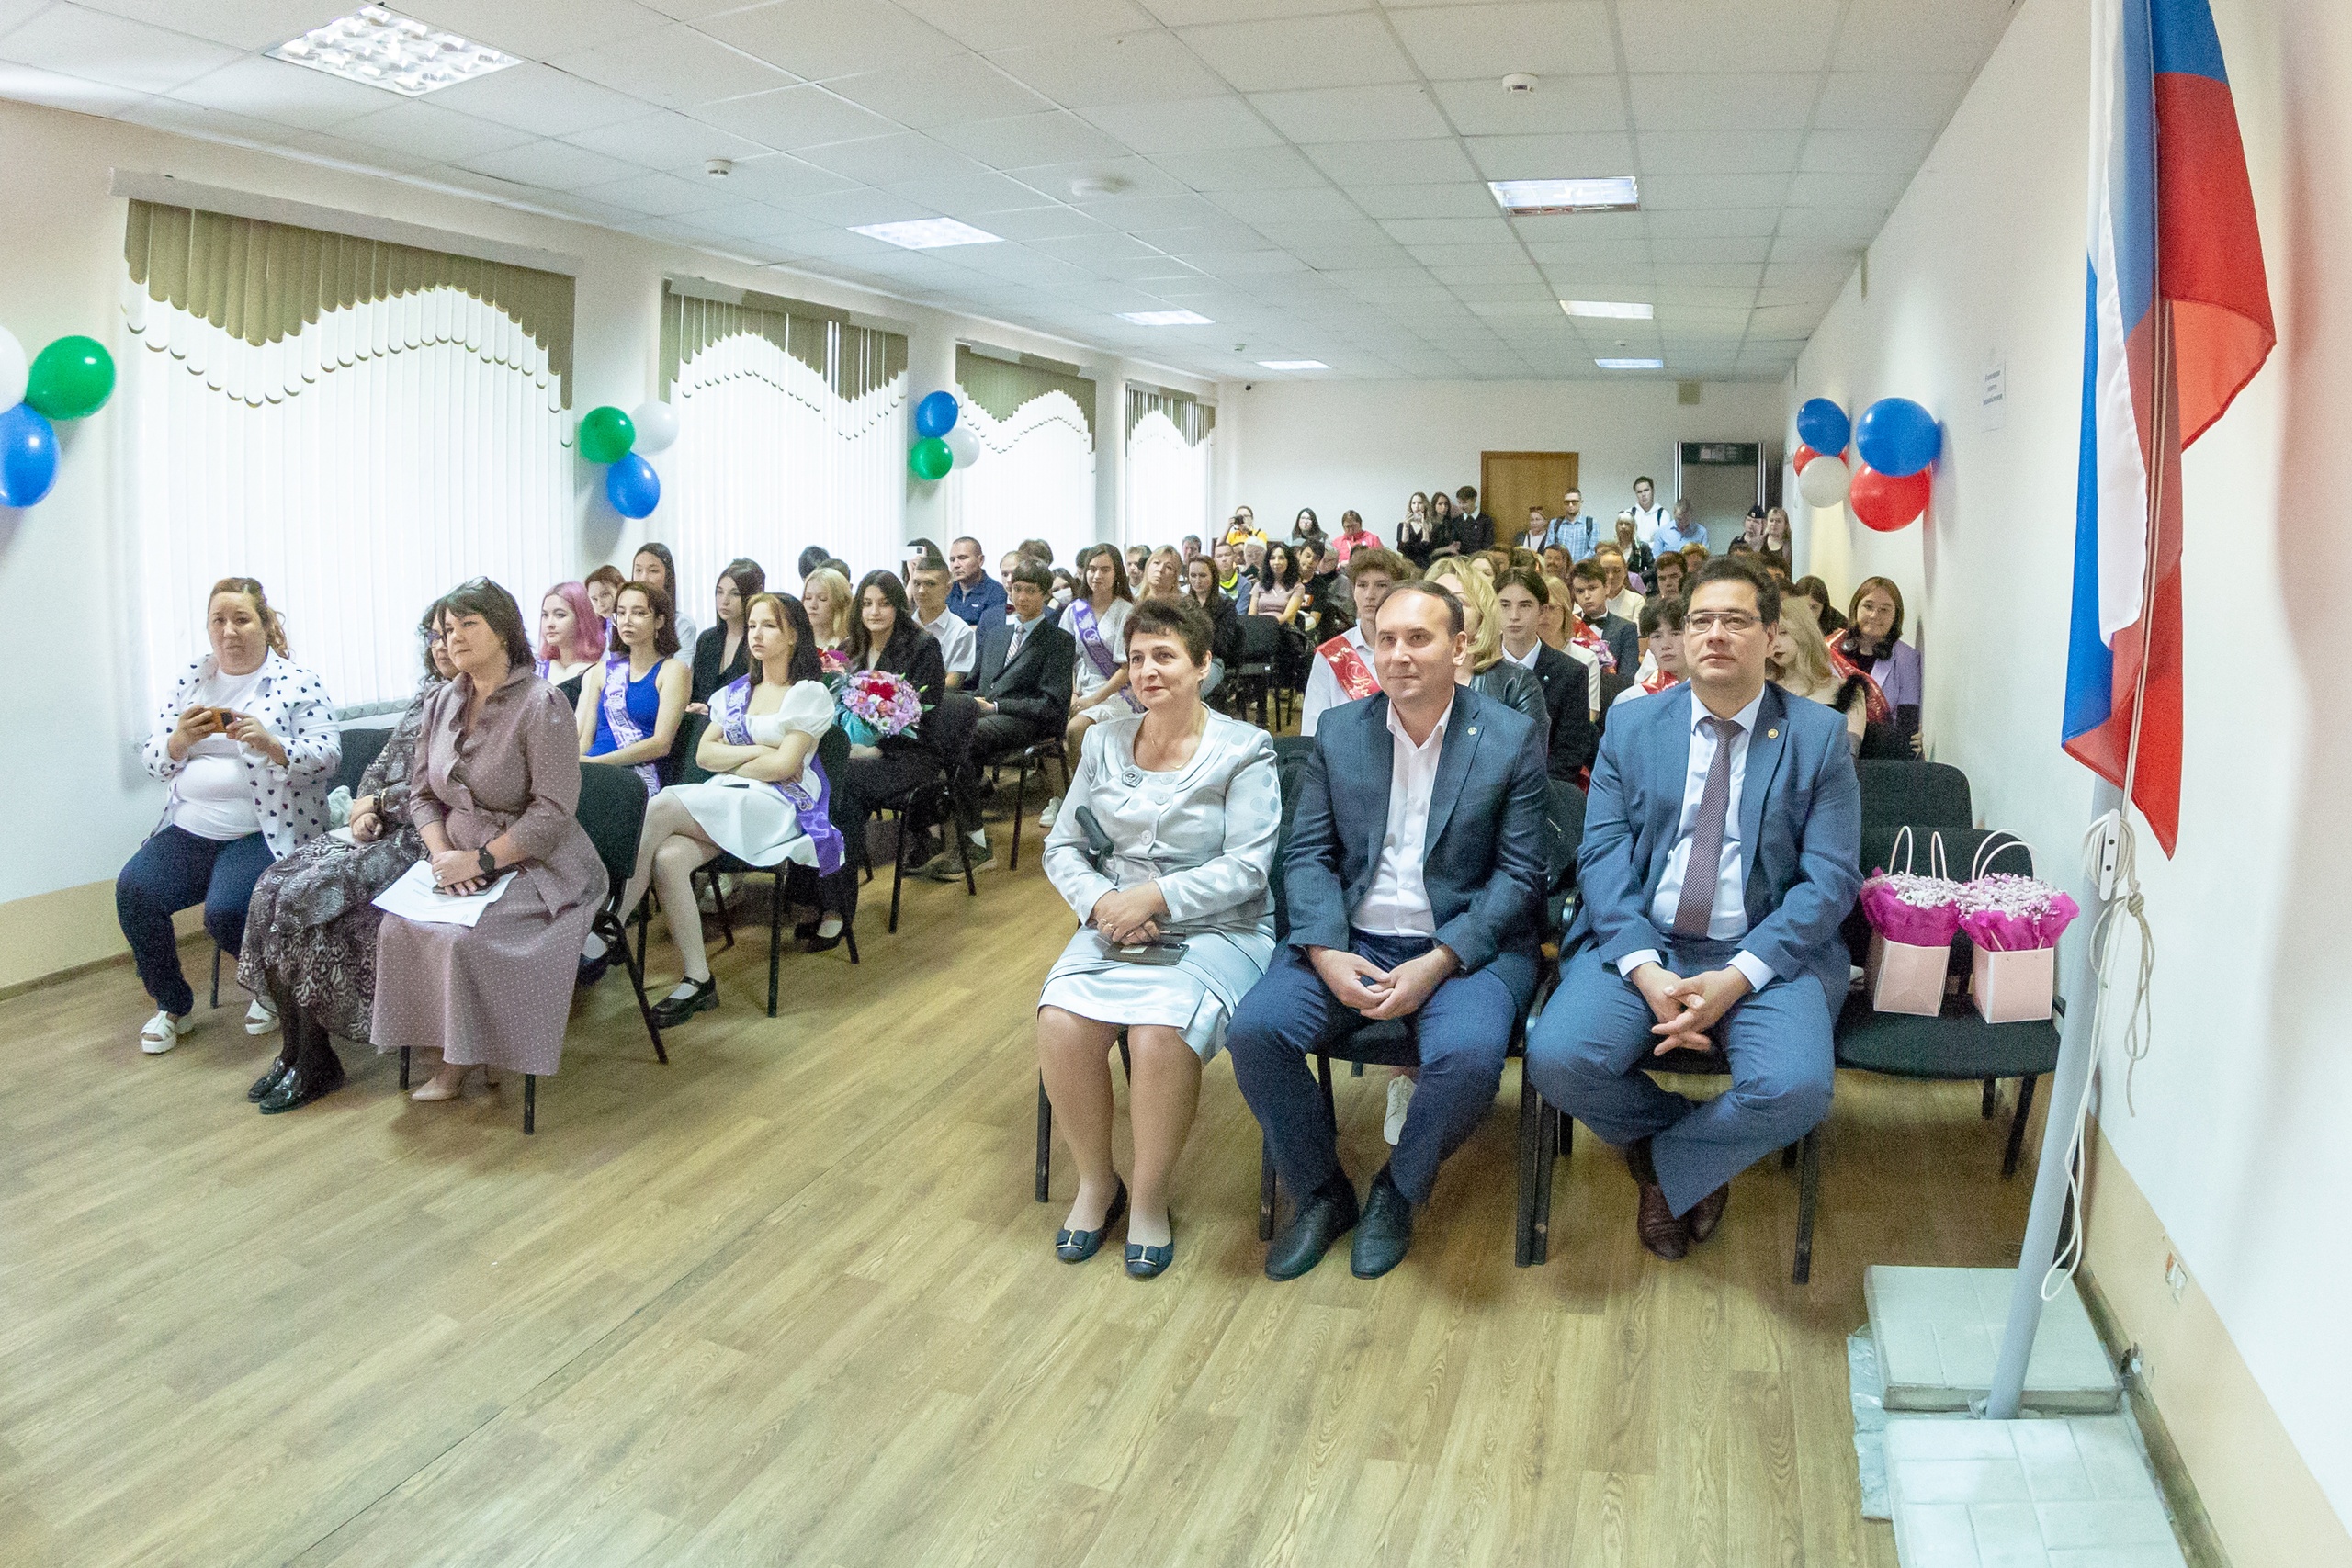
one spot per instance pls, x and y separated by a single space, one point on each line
1053 808
1400 1099
261 1018
162 1032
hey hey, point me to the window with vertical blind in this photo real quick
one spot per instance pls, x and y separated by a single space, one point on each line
1168 466
792 432
358 424
1035 480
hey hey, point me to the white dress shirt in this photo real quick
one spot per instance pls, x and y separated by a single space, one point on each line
1534 651
959 643
1728 919
1648 520
1323 689
1397 902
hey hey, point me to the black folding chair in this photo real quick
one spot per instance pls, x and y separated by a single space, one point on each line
949 726
1256 672
1030 754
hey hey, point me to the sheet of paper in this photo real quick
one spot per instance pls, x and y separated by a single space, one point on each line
416 898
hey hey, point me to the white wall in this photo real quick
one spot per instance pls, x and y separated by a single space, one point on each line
2234 1127
61 265
1369 444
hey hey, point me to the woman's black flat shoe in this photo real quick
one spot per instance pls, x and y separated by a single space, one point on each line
303 1085
804 931
812 942
592 970
269 1081
1150 1262
673 1010
1077 1246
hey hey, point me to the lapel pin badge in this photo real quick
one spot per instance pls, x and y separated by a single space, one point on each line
1771 735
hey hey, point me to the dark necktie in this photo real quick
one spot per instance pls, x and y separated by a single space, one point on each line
1704 868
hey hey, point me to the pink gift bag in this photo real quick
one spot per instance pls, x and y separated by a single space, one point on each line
2014 986
1902 977
2013 973
1912 920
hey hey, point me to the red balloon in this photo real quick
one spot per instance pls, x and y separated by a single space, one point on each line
1885 503
1802 455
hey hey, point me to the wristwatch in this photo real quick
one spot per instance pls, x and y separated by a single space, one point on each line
489 861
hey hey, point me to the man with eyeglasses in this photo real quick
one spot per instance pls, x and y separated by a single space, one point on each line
1721 853
1572 531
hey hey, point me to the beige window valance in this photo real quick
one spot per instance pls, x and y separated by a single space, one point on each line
1193 419
855 360
1002 387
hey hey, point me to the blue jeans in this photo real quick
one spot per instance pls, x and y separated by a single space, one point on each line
1587 1053
1463 1032
172 871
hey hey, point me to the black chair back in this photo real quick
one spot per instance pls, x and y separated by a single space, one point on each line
361 746
612 810
690 733
1261 640
1926 795
1563 837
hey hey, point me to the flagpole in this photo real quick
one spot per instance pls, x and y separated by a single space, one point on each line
2078 1042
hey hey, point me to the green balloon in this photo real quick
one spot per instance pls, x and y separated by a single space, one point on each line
930 458
605 434
71 378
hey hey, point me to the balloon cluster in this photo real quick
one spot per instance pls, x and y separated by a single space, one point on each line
942 440
71 378
1897 440
620 441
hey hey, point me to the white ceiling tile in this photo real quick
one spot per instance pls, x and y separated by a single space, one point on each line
755 220
1719 152
1556 254
1345 51
676 67
1734 35
1492 229
1289 232
213 125
1702 294
1668 193
1906 100
1135 177
1750 101
541 100
240 24
1207 239
1189 13
936 92
990 25
1243 168
1847 190
1138 68
1557 36
852 209
1782 320
1580 228
1451 199
666 140
886 159
1451 255
1246 264
1819 228
972 197
288 95
1559 106
1865 152
1553 157
1711 223
1378 163
658 195
1047 222
1149 212
428 130
790 119
1921 36
779 176
1187 125
1264 207
112 51
1675 320
31 84
538 29
836 38
324 145
550 164
1714 248
1715 275
1377 113
1023 139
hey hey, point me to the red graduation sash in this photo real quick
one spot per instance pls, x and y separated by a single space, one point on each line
1355 677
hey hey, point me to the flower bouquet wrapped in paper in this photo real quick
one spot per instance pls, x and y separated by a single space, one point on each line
874 703
2015 922
1913 919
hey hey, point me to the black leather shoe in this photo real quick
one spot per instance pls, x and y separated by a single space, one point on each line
307 1082
592 970
1077 1246
673 1010
1150 1262
269 1081
1322 1219
1383 1232
815 943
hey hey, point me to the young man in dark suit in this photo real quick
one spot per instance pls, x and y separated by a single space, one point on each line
1520 598
1414 884
1588 581
1473 529
1024 687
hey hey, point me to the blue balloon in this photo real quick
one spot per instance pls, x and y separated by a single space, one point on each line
632 486
1821 424
1898 437
27 455
935 415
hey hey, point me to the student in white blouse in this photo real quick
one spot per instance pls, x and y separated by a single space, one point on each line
247 743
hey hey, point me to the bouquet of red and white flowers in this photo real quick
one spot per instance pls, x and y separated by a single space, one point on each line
874 703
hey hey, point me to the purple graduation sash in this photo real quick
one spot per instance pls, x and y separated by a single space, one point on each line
1098 652
625 730
814 811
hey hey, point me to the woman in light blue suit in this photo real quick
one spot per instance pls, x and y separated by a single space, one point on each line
1163 849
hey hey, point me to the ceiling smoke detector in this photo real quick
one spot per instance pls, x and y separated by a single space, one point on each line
1519 81
718 168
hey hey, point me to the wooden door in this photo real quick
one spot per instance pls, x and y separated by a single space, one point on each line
1511 482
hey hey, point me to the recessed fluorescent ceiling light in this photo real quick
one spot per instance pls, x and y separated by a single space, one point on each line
927 234
1166 318
1293 364
1618 309
1544 199
377 48
1631 364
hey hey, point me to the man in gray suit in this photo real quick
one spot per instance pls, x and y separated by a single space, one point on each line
1720 854
1414 883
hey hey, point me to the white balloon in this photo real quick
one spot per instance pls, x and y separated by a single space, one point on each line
13 368
657 427
965 445
1824 481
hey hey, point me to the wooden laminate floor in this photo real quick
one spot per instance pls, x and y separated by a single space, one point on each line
788 1301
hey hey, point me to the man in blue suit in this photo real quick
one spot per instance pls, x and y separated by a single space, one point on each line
1413 882
1757 789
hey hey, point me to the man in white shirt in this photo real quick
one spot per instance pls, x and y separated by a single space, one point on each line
1343 670
1414 886
1648 516
959 643
1721 837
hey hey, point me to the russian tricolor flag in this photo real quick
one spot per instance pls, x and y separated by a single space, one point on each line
2177 319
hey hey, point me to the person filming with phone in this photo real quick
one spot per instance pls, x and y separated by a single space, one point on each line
1163 849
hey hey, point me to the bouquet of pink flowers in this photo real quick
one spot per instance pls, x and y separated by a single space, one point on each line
874 703
2014 914
1922 912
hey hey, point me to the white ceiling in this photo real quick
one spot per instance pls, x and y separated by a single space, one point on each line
1309 173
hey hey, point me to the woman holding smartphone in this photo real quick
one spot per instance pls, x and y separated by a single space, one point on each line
1175 924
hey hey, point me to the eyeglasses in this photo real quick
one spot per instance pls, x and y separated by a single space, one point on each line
1699 622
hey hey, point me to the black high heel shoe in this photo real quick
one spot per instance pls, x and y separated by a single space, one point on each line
812 942
673 1010
1077 1246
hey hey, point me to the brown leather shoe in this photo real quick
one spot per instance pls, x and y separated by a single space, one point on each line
1654 1218
1708 1213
